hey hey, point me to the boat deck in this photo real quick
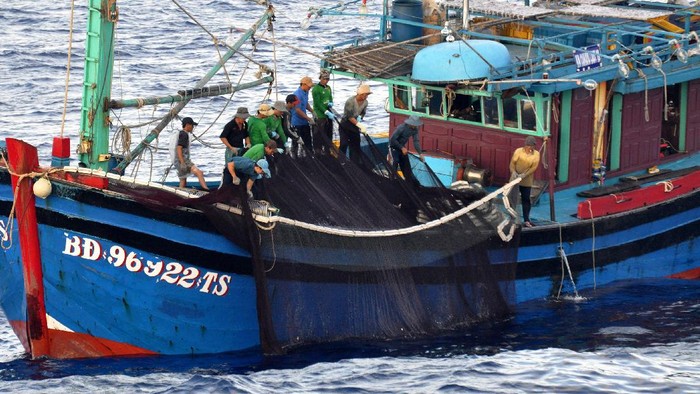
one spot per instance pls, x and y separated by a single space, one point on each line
566 201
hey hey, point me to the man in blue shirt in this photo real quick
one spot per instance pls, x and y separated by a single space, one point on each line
301 122
399 153
249 170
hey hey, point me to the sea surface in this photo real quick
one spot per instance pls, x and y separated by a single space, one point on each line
641 336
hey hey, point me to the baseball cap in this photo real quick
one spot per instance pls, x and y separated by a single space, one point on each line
262 163
188 120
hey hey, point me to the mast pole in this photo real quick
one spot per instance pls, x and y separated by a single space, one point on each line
465 14
97 83
202 82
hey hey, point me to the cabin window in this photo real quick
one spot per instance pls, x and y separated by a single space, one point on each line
465 107
528 115
428 101
490 106
401 97
510 112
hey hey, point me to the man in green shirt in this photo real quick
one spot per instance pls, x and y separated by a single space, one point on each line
257 128
274 123
322 100
259 151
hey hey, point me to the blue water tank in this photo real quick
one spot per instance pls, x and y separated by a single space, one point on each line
410 10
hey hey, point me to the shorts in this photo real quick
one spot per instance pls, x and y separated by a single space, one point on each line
184 170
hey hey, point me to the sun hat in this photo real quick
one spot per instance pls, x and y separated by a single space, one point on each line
530 141
324 74
266 110
188 120
242 113
280 106
413 120
364 89
262 163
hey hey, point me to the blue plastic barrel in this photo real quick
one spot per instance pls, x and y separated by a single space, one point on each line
410 10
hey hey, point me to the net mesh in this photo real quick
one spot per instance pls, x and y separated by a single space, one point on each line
357 252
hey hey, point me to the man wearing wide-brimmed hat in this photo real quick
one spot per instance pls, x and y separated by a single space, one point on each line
399 153
235 134
275 123
350 126
322 102
257 128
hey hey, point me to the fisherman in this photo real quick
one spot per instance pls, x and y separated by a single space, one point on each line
399 153
301 122
235 134
248 169
523 165
351 126
275 123
255 153
257 128
322 102
290 102
182 155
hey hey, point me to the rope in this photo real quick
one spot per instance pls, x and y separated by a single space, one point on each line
404 231
668 186
7 229
70 50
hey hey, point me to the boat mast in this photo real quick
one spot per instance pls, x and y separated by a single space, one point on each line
97 83
202 82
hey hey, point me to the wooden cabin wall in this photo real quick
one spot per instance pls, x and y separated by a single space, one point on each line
581 132
639 147
488 148
692 136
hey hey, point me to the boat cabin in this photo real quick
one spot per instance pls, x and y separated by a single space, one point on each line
613 88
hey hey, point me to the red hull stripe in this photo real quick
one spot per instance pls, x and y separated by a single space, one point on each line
689 274
621 202
67 345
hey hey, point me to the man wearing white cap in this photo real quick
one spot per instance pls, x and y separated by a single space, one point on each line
399 153
257 128
350 126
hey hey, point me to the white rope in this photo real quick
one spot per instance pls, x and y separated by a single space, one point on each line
404 231
273 220
668 186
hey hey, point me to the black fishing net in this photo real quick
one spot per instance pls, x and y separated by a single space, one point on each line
360 253
357 252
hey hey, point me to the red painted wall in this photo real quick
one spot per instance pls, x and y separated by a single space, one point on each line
692 139
640 138
488 148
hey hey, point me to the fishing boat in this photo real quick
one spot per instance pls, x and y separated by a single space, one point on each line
609 90
96 263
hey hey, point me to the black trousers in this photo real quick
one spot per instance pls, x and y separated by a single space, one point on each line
525 201
350 141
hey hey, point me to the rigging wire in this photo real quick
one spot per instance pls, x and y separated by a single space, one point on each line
70 50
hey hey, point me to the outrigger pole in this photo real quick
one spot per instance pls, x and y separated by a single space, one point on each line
178 107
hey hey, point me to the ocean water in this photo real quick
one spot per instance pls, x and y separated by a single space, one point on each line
639 336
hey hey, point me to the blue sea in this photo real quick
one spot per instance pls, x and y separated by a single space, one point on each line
641 336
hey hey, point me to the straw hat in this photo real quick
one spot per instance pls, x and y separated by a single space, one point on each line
266 110
364 89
